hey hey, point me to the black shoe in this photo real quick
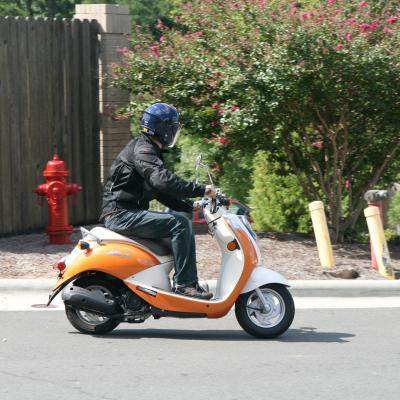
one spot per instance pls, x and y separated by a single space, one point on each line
194 290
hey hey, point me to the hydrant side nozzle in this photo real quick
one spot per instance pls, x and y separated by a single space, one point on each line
41 190
73 188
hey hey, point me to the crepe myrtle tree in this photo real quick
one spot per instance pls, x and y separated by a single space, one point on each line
317 85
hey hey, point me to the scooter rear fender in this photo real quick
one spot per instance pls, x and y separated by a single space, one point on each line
62 283
263 276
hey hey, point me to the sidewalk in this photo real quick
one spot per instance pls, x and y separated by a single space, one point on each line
32 294
299 288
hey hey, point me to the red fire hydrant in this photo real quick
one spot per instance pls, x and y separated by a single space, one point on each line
56 189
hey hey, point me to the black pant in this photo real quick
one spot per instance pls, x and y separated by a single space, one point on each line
155 225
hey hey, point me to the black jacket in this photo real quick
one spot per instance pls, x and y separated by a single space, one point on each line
138 176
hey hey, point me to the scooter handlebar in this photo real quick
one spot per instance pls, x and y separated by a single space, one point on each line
219 200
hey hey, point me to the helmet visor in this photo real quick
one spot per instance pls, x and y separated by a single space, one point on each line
176 129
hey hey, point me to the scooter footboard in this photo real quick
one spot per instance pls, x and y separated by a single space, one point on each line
262 276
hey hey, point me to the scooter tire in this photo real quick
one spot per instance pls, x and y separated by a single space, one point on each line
246 322
76 320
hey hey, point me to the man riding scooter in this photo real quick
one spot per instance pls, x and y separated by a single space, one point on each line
138 176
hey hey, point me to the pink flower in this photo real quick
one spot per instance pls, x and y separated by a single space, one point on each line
236 5
387 30
348 36
122 50
162 39
178 18
294 4
338 12
365 27
362 4
189 35
339 46
262 3
155 50
222 140
352 21
234 108
391 20
292 12
159 24
306 15
347 184
374 25
330 2
199 34
215 105
303 17
318 144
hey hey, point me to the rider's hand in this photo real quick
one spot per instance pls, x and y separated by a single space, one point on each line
210 191
196 206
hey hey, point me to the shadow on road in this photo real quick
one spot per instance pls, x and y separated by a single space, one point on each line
310 335
305 334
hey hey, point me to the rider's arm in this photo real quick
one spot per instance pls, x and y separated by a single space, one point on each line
150 167
175 204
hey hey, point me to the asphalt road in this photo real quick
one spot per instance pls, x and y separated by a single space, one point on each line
327 354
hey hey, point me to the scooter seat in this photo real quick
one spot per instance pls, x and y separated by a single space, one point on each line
161 247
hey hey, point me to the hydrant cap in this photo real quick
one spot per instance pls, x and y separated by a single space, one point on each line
55 167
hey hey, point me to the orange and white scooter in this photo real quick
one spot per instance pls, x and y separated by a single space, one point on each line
111 278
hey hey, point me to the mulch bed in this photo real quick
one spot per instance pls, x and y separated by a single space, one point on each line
294 256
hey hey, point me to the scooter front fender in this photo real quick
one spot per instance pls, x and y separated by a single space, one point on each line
262 276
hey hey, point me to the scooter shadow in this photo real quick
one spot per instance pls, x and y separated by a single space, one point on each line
296 335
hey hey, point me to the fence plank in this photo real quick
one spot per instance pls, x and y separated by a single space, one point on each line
86 136
24 172
5 154
48 102
96 198
15 129
76 166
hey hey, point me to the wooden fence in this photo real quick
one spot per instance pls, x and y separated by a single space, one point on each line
48 103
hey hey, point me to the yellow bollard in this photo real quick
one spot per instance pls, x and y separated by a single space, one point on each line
321 234
379 248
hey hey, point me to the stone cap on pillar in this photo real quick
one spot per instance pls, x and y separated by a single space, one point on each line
112 18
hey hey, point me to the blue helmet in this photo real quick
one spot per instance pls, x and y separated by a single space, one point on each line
161 121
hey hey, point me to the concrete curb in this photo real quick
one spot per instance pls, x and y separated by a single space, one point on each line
299 288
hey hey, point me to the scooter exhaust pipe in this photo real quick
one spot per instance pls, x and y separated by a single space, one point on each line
89 300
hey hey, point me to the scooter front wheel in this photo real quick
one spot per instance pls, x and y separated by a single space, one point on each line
265 318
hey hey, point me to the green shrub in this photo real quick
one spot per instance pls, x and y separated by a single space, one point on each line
277 201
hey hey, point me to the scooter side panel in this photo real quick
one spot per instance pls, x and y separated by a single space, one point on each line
263 276
157 276
212 308
119 260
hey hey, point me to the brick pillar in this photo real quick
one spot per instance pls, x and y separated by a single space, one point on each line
115 30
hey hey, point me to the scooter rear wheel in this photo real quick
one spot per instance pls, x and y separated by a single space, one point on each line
269 322
88 322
